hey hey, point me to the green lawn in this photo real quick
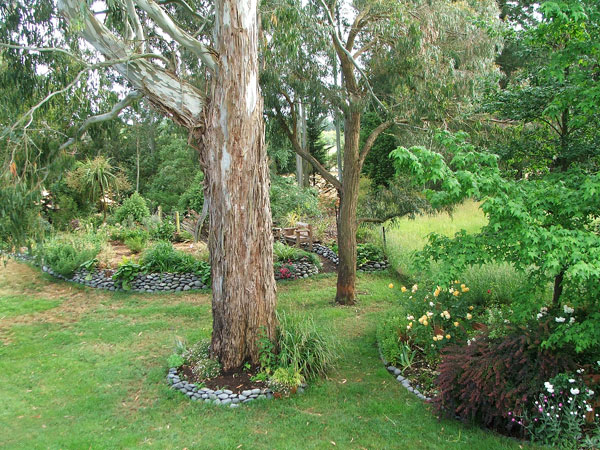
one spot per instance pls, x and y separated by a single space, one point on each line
85 369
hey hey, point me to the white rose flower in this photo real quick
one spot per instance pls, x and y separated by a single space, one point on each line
574 391
560 319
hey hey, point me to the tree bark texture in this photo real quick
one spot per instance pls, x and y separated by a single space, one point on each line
237 177
346 226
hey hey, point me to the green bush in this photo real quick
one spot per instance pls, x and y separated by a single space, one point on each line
303 347
368 252
193 197
287 197
66 253
175 360
133 208
135 243
127 272
162 257
285 380
284 253
163 231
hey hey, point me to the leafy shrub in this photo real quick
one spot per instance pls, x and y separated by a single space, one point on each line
287 197
66 253
162 257
490 378
558 414
126 272
285 380
175 360
368 252
283 253
133 208
303 347
434 320
163 231
135 244
193 197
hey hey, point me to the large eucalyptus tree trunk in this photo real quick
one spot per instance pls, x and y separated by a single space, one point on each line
229 133
240 240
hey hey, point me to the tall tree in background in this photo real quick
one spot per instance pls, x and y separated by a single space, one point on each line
419 53
144 48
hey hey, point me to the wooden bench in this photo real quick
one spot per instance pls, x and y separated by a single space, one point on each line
302 233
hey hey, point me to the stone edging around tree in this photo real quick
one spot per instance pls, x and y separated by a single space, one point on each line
397 373
221 397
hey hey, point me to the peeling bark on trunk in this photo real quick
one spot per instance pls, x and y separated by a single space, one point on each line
346 281
237 177
229 132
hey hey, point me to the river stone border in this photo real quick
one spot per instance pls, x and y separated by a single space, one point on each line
154 282
401 379
221 397
326 252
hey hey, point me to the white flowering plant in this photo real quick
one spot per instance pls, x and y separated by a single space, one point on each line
559 413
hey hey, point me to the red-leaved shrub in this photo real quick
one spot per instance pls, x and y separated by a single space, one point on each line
489 378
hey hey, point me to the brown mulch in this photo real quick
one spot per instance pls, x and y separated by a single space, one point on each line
234 381
327 266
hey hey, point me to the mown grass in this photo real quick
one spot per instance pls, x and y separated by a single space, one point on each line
87 371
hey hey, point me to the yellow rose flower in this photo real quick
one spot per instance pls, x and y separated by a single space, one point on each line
448 336
425 323
391 285
456 293
455 324
470 308
469 316
403 289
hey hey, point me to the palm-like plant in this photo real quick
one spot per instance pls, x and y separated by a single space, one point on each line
96 178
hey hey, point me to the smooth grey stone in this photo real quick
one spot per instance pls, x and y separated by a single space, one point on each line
391 368
417 392
235 400
217 402
219 392
197 284
204 395
405 383
212 396
256 391
207 400
227 391
397 372
253 396
233 395
186 288
233 405
223 396
262 396
247 400
410 389
226 401
194 399
242 397
189 394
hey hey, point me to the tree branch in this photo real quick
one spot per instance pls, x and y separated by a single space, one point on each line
162 19
371 140
186 6
137 25
343 51
174 96
43 49
113 113
304 154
